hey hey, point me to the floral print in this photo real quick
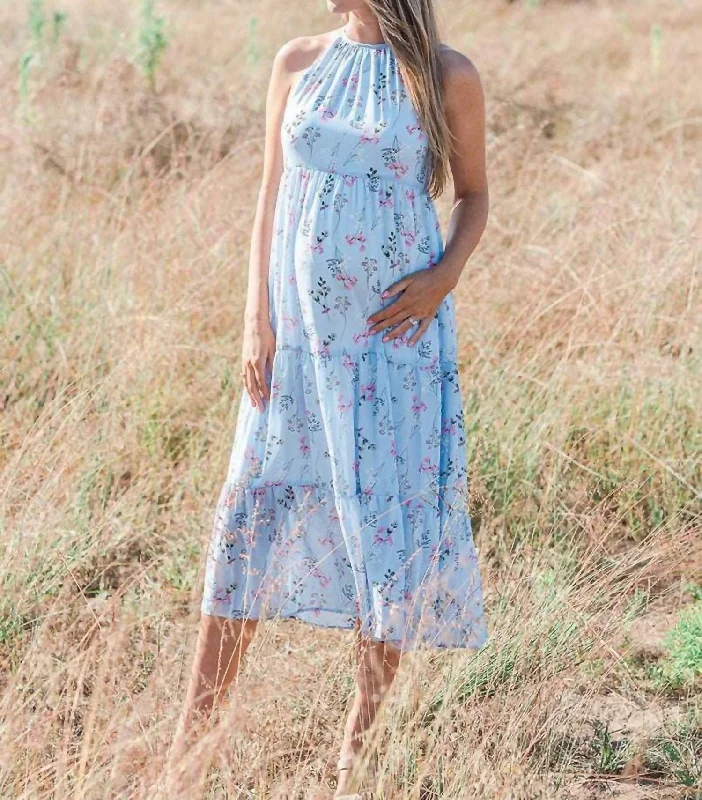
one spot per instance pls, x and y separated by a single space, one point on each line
346 498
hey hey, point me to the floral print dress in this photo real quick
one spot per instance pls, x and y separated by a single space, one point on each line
346 498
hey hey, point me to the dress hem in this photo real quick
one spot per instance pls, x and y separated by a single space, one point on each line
308 617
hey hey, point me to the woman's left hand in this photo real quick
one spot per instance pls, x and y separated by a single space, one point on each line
420 295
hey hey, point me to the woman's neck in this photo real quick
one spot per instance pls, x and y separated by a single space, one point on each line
364 28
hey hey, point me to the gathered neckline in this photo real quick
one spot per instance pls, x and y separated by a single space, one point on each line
369 45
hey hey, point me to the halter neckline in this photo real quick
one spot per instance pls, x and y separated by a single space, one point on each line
356 43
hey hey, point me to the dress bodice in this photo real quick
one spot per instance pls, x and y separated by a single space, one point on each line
350 114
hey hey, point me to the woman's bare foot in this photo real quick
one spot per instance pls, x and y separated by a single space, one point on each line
377 664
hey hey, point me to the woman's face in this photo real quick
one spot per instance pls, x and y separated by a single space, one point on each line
345 6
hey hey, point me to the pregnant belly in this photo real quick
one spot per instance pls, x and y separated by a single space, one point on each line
340 244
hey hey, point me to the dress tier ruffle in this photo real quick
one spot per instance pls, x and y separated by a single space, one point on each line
347 498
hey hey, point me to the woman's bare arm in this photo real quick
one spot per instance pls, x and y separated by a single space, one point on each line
465 112
258 346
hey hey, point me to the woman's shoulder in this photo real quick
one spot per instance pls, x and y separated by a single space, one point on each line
460 74
457 67
301 52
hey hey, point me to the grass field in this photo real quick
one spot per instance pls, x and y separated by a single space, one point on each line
129 168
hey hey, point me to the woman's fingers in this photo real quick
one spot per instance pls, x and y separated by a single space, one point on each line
379 320
252 386
398 331
247 386
396 318
259 370
398 286
421 330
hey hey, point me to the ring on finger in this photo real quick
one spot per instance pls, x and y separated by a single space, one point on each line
414 320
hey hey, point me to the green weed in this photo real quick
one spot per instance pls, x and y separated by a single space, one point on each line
683 643
37 22
656 47
152 40
609 754
254 52
677 753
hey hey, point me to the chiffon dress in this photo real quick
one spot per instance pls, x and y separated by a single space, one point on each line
345 500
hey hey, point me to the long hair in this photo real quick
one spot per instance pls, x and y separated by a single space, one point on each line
410 27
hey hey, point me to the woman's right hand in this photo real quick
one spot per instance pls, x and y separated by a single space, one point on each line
257 354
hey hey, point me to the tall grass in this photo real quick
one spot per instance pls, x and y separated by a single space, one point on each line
125 224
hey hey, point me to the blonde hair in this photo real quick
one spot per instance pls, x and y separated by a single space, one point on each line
410 27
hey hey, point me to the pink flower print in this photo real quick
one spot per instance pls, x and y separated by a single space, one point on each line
327 112
348 280
418 405
367 492
361 337
323 350
318 247
317 573
290 322
368 390
372 138
430 367
304 446
250 455
353 80
449 428
383 536
350 180
356 466
348 362
358 237
393 449
398 169
328 539
410 195
408 236
427 466
385 202
342 405
414 128
292 280
400 340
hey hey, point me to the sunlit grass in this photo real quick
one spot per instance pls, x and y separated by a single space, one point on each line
126 210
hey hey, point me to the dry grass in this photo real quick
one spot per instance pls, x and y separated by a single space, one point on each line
125 219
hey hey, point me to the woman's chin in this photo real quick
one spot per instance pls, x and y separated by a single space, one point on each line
344 6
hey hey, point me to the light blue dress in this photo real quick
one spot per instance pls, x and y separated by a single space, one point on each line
346 498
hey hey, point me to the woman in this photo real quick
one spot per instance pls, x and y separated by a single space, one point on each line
345 500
